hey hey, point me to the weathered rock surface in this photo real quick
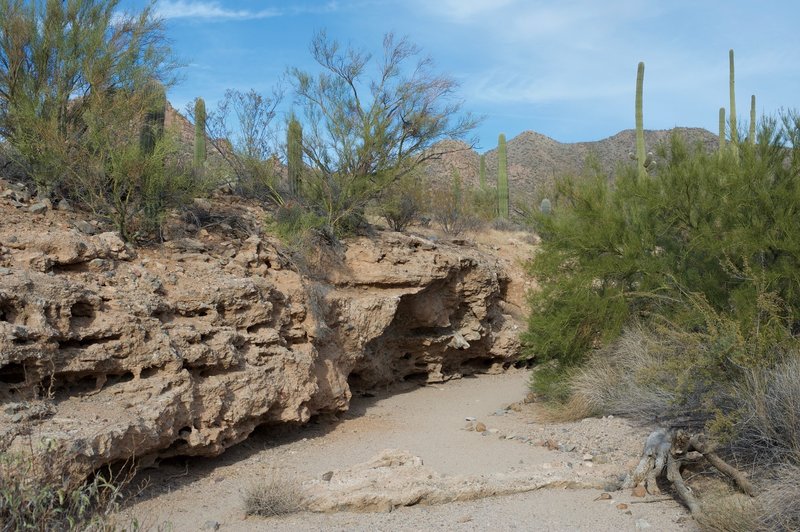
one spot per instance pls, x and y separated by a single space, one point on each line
184 349
397 478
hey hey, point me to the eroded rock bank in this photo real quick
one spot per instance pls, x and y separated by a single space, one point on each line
184 349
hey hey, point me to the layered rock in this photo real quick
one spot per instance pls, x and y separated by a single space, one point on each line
112 353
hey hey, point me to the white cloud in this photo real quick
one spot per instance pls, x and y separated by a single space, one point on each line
171 9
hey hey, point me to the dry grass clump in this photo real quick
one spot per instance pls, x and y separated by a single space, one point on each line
770 426
278 495
725 511
781 500
626 378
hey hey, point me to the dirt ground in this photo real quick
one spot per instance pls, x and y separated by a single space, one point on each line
431 423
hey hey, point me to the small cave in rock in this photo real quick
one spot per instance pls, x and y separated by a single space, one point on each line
420 377
76 384
82 314
8 311
13 373
83 343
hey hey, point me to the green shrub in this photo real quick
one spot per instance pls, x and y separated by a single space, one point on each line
34 496
403 202
708 242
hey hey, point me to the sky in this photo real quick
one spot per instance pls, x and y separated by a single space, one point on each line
566 69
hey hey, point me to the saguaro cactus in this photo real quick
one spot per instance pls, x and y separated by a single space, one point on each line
199 133
153 126
640 152
731 83
721 129
294 154
502 177
752 137
483 172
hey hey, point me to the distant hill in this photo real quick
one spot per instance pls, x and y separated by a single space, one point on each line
534 160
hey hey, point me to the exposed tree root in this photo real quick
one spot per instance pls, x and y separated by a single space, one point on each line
674 449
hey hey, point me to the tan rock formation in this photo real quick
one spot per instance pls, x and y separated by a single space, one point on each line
185 348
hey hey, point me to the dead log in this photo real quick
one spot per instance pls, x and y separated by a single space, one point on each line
673 449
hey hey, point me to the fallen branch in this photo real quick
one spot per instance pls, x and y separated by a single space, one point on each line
674 449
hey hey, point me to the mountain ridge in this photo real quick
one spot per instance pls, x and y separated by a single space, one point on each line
535 160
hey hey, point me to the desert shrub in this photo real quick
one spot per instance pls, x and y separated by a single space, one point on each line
781 500
277 495
241 131
706 245
403 202
34 496
449 208
769 430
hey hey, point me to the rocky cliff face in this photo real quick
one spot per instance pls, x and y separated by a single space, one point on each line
183 349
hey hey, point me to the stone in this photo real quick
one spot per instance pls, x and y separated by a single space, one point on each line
642 524
588 457
622 506
327 476
40 207
604 497
210 525
470 426
85 227
65 205
470 418
639 491
567 447
480 427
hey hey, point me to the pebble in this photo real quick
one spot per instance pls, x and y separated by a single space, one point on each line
567 447
210 525
64 205
85 227
494 431
642 524
470 418
480 427
588 457
40 208
5 271
327 476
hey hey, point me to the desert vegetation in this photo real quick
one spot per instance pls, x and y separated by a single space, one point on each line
669 294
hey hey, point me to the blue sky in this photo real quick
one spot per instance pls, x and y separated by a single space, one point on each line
566 69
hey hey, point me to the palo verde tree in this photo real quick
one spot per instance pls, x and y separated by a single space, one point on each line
59 59
369 121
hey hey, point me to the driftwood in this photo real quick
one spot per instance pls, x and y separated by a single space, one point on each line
670 450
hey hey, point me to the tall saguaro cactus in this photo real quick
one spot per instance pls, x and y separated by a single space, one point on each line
483 172
294 154
502 177
199 133
640 152
752 137
731 83
153 126
721 129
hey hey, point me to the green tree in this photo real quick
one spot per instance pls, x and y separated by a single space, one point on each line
363 132
57 59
